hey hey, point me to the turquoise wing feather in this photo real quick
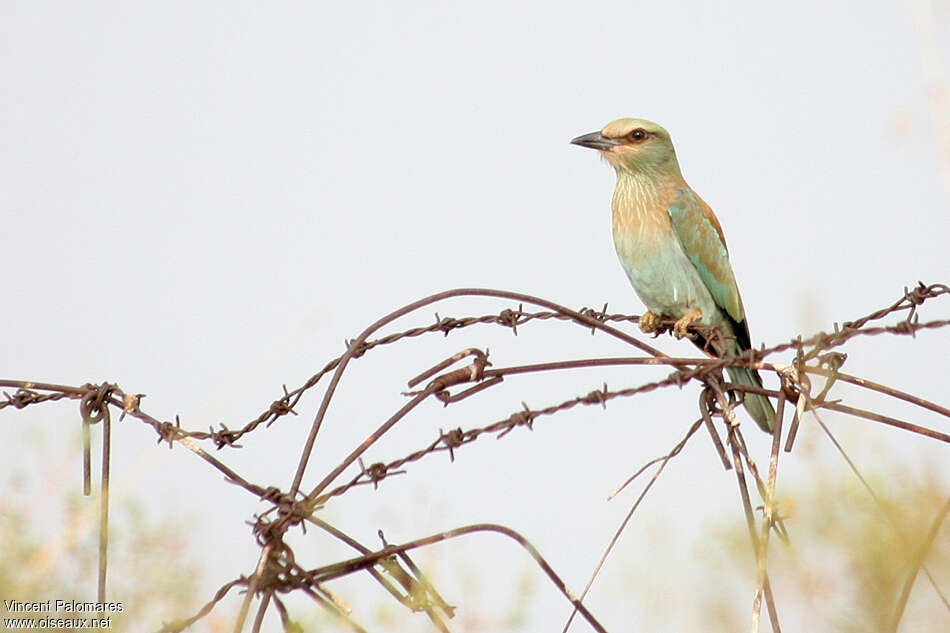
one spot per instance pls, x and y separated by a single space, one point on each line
701 238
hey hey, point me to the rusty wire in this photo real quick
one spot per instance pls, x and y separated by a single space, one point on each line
277 572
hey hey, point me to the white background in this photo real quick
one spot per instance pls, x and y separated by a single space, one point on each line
201 201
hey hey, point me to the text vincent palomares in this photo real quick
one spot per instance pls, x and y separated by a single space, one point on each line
65 606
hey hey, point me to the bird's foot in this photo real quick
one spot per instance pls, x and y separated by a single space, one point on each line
682 325
648 323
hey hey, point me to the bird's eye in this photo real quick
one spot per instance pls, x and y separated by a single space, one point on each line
638 134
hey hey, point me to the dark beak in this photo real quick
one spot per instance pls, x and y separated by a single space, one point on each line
594 140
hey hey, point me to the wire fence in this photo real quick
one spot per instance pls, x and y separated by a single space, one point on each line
278 572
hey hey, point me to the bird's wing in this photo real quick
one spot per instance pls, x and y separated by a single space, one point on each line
701 236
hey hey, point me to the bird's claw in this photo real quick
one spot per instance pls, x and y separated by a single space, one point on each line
648 323
681 327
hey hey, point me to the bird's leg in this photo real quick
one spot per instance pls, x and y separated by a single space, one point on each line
648 323
681 325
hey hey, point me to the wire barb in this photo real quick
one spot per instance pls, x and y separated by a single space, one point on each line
278 573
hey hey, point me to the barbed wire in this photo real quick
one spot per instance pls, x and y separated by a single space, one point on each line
278 573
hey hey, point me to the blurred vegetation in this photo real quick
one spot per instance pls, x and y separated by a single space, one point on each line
49 545
843 570
848 557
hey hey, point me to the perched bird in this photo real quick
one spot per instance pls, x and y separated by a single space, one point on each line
672 247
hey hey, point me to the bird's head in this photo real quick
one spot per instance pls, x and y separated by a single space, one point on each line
636 146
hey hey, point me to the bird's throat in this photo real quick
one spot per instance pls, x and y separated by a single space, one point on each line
637 199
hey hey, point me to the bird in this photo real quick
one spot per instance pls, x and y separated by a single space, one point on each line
672 248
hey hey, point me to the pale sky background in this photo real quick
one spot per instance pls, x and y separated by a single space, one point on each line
203 200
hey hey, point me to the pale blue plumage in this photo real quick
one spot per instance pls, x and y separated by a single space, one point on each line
705 249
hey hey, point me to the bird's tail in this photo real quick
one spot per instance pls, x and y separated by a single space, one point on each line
758 406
